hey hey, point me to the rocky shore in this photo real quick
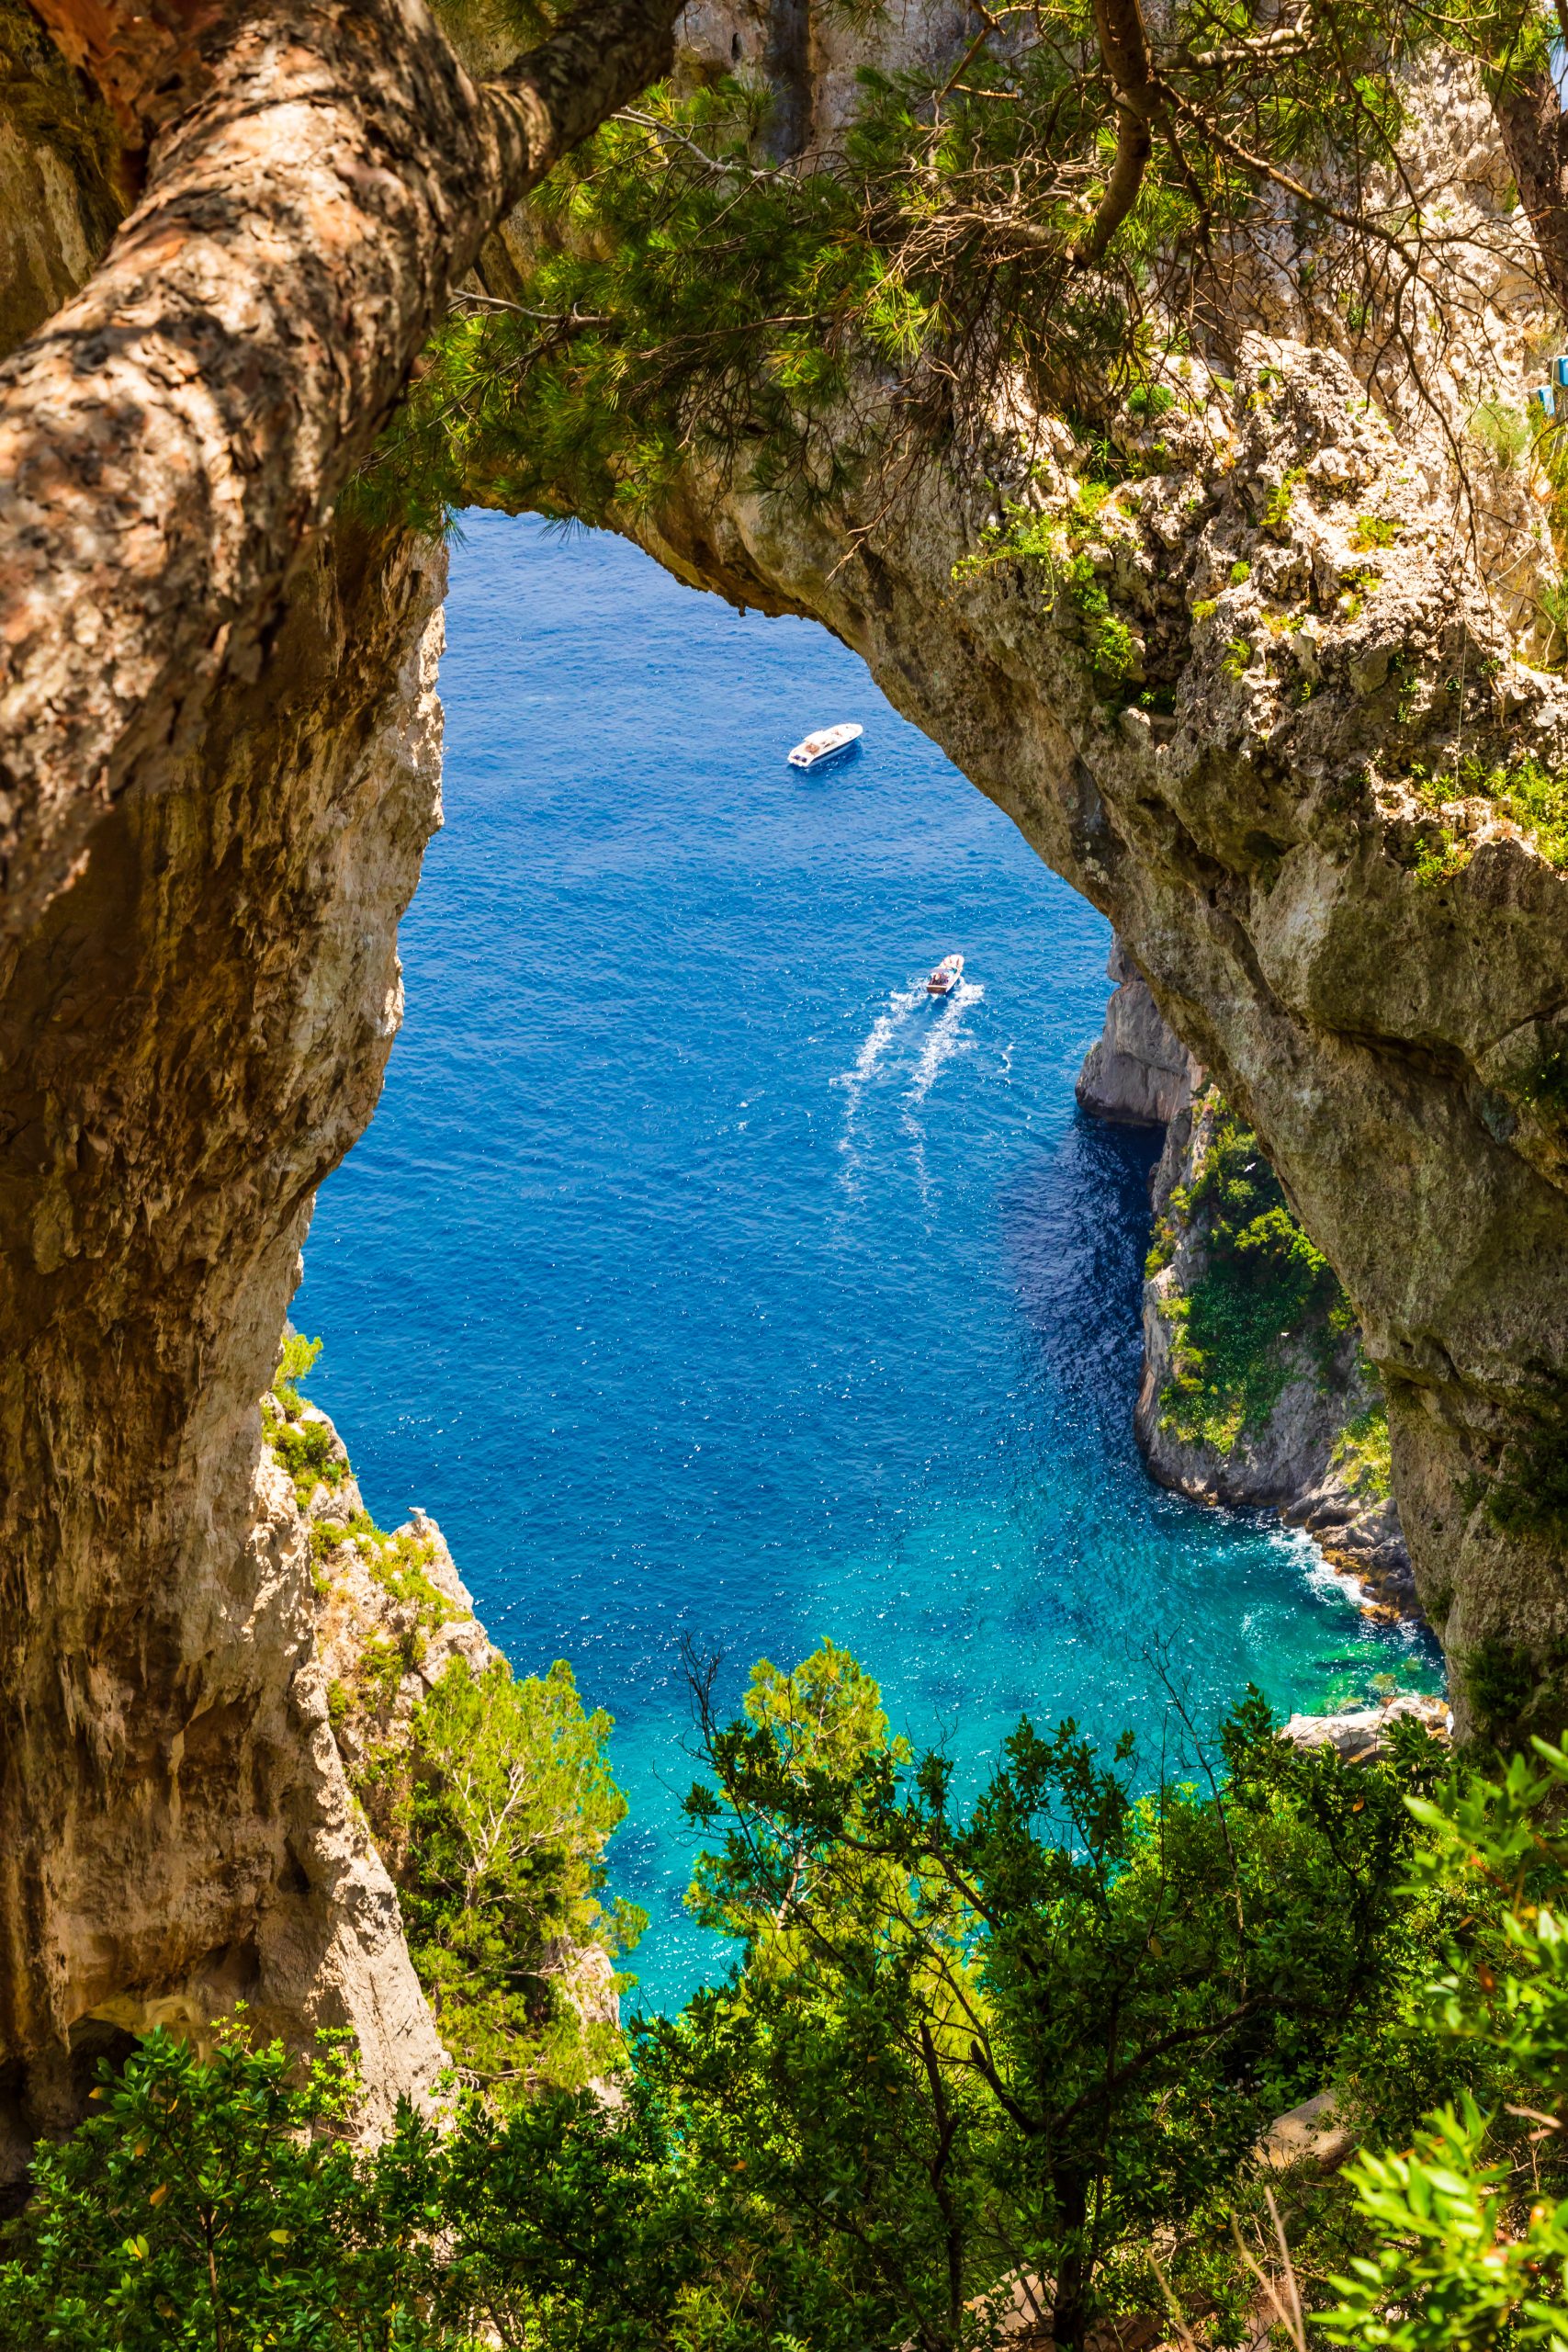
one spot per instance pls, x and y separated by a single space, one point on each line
1255 1391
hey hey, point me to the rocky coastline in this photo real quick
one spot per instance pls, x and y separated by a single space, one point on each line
1289 1416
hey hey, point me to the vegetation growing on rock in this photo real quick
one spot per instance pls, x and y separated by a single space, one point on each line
970 2062
503 1880
490 1797
1262 1287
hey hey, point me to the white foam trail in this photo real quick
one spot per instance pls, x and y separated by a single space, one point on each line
944 1038
880 1035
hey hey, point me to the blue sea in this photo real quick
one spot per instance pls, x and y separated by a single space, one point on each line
711 1283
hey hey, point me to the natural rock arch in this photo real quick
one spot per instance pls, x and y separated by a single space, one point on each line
198 990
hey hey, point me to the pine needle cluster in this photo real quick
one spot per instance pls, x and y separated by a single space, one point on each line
1078 196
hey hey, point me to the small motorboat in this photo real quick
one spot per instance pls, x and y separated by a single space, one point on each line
825 744
946 976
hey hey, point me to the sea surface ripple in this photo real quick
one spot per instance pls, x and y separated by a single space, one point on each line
710 1281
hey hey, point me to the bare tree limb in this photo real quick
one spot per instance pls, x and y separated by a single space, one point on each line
1124 49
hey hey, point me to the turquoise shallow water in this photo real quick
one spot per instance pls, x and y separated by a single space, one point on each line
704 1278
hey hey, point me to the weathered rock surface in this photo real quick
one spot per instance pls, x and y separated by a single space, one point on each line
1377 977
1301 1457
1137 1073
189 1039
196 1030
192 1037
1361 1736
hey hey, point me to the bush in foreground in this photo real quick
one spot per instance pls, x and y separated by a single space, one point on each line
965 2056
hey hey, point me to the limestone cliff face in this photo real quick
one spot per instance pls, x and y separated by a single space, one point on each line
189 1040
1305 1431
1137 1073
1316 1446
1374 969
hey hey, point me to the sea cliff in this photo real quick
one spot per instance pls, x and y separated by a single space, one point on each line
1256 1389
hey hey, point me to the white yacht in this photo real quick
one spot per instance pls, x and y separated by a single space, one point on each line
825 744
946 976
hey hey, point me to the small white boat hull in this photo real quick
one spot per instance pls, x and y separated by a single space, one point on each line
827 743
946 976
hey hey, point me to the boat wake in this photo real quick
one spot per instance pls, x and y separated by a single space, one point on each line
885 1053
882 1033
945 1038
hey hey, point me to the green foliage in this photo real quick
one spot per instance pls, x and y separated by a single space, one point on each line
1275 519
1064 547
1472 2221
218 2204
304 1448
1263 1284
513 1806
959 2047
295 1362
1529 1494
1373 531
1534 795
1361 1454
963 2054
1503 431
1538 799
1439 861
684 297
1500 1677
1112 649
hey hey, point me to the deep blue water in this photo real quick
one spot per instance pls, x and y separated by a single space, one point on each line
705 1278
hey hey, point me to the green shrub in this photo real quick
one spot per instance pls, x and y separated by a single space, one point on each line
1503 431
512 1807
1362 1453
1031 2037
218 2204
1262 1283
1469 2220
299 1354
305 1449
1275 519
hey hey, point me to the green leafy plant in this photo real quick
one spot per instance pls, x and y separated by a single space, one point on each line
502 1885
1275 519
1362 1453
1472 2220
1262 1284
1503 431
219 2204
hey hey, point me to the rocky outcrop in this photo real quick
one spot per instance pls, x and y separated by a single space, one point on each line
1272 1402
1293 1419
1373 964
189 1038
394 1624
1363 1735
1137 1073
